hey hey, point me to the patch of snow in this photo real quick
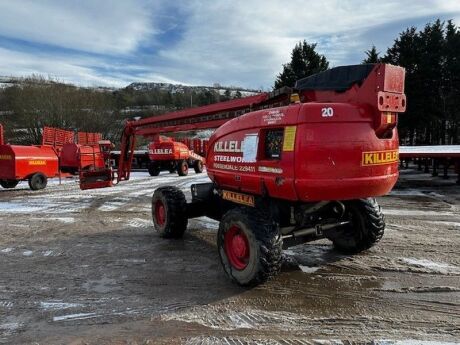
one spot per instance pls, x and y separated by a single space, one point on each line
134 261
398 212
307 269
27 253
11 326
404 192
439 267
206 223
14 207
112 205
70 317
48 253
65 220
139 223
7 250
58 305
455 224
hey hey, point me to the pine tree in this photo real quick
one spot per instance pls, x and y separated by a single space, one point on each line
372 56
431 58
305 61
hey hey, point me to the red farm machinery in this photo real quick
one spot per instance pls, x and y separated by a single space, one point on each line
287 168
57 153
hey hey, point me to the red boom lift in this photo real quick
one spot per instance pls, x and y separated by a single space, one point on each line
167 154
288 174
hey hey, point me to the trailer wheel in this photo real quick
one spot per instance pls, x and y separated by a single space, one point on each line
168 212
198 166
9 183
249 246
38 181
366 228
154 169
182 168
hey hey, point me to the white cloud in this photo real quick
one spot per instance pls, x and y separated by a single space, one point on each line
231 42
91 26
243 42
64 69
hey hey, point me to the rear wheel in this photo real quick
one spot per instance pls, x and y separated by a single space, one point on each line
366 227
9 183
154 169
182 168
250 246
168 212
38 181
198 166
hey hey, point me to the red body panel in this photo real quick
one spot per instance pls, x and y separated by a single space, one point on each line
76 156
168 150
336 146
19 162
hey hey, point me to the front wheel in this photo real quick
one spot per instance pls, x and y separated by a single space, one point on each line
38 181
182 168
9 183
249 246
366 226
168 212
154 169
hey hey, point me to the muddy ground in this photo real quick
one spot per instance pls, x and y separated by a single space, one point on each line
86 267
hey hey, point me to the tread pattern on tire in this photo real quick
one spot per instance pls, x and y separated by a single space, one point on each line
34 183
176 219
198 167
374 226
268 239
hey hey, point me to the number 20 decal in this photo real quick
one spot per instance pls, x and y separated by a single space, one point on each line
327 112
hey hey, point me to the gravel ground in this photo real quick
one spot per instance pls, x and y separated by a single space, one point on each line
86 267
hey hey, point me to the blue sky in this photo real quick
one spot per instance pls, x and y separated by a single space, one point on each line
240 43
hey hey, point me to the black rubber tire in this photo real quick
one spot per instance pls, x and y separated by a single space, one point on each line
182 168
38 181
265 243
198 166
154 169
173 200
8 184
366 228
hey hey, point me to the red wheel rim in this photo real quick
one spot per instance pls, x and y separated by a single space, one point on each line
160 212
236 247
184 167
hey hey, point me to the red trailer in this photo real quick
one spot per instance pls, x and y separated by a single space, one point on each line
33 163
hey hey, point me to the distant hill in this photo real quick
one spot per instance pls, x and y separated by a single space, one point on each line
179 88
